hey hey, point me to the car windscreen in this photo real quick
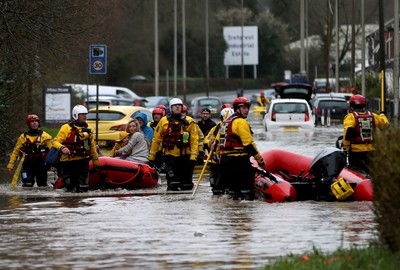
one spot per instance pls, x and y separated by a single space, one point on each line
122 102
152 101
105 116
209 102
92 104
337 104
290 108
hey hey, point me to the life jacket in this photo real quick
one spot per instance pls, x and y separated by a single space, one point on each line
76 146
365 125
153 124
176 133
34 149
228 140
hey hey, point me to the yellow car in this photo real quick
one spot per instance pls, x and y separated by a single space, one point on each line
113 120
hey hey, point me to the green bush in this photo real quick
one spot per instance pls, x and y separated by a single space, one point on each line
385 171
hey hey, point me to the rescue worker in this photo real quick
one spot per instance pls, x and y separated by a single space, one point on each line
157 114
34 144
147 131
206 123
262 100
162 107
76 143
359 127
200 158
237 146
179 139
211 142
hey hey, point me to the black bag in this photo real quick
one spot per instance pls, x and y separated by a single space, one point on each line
52 158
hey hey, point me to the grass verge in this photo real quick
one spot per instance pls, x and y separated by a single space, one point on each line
372 257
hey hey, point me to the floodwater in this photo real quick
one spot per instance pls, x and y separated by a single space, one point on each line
46 229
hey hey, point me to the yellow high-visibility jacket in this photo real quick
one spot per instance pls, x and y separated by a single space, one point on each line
349 121
160 137
65 132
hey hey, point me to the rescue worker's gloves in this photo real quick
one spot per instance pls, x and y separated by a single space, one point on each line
259 160
151 163
193 157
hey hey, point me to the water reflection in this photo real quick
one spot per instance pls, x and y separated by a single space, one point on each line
181 231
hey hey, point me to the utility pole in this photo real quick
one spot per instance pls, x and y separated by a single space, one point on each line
382 46
175 48
207 52
396 60
353 42
184 50
363 49
302 51
241 54
156 67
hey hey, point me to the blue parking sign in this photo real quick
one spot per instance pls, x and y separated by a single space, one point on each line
98 59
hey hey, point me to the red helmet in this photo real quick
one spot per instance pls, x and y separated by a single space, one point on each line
261 93
226 105
357 102
160 106
158 111
241 101
185 109
31 118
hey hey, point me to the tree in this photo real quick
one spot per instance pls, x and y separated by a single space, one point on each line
37 40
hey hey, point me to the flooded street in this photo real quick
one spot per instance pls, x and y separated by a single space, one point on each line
48 229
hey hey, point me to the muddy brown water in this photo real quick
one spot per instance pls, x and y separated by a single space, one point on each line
47 229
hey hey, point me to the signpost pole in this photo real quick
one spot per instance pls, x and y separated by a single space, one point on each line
97 65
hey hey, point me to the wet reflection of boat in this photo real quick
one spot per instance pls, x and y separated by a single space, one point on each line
326 177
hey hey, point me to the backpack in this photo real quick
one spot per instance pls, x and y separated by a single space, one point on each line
52 158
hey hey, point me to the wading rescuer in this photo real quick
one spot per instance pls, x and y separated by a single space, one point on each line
359 127
34 144
262 100
237 146
179 138
76 143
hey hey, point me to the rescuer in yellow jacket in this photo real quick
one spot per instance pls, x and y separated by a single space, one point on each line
211 142
359 127
262 100
237 146
179 138
34 144
76 143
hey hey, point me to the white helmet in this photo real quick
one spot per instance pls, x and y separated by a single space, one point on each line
77 110
175 101
226 113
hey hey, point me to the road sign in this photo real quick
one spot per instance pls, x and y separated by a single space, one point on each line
98 59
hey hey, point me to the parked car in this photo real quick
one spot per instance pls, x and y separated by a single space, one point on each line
110 100
112 120
153 101
335 107
292 111
289 114
212 103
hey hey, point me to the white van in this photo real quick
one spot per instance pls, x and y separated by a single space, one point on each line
81 91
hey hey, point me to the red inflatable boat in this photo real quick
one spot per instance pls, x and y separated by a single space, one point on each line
115 172
308 175
270 188
119 173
